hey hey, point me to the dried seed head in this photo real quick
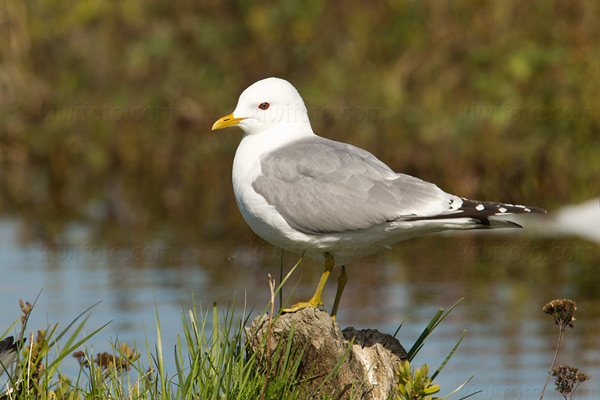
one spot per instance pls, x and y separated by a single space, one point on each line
25 309
568 378
81 358
562 310
107 361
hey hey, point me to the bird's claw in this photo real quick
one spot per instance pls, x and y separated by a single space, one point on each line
302 305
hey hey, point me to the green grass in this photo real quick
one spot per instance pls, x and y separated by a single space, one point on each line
211 360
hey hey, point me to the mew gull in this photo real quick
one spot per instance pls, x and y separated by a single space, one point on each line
329 200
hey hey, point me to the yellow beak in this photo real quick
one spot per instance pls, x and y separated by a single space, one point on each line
226 122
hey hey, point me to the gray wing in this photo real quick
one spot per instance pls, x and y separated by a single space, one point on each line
322 186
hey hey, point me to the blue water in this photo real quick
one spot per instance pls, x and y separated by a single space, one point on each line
509 342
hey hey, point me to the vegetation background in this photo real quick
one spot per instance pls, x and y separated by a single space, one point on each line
106 107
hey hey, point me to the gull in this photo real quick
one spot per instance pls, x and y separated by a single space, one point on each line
330 200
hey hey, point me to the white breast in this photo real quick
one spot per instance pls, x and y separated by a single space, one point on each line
264 220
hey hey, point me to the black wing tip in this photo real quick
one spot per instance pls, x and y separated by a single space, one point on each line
483 213
489 208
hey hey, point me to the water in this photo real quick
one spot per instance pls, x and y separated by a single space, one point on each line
504 280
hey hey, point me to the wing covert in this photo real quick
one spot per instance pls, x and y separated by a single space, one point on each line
322 186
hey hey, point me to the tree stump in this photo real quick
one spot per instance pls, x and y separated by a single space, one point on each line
368 370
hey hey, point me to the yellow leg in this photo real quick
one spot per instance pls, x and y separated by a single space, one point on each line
315 301
342 279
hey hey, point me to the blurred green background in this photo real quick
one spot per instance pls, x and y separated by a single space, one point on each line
106 107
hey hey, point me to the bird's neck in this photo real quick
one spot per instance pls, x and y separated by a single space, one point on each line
246 164
275 137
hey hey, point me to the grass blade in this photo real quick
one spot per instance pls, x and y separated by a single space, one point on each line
435 321
449 355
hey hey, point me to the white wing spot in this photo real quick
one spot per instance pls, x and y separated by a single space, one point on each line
480 207
526 210
456 203
502 209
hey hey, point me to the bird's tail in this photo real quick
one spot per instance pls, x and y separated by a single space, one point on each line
481 213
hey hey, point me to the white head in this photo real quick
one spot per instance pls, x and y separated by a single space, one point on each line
267 103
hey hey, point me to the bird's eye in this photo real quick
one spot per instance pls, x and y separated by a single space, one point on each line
263 106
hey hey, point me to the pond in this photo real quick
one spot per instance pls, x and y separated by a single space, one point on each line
503 281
